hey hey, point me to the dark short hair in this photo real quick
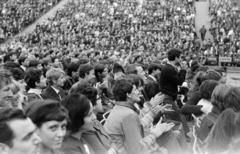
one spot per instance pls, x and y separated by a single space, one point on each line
135 79
32 76
73 67
33 63
206 88
150 90
99 69
17 73
41 111
117 68
78 107
121 88
21 59
7 115
173 54
84 69
152 67
86 90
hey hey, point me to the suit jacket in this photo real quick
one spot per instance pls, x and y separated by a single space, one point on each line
50 93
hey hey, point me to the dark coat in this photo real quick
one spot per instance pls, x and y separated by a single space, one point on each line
50 93
170 79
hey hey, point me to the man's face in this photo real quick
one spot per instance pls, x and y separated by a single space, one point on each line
6 95
61 80
25 141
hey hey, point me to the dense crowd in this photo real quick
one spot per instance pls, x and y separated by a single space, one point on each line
17 14
113 28
224 28
116 77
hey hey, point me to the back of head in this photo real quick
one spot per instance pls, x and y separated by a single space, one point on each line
223 132
121 88
32 76
219 95
87 90
98 71
150 90
207 88
117 68
78 107
73 67
213 75
135 79
232 99
153 66
84 69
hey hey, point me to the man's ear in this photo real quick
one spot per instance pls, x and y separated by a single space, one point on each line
4 149
128 95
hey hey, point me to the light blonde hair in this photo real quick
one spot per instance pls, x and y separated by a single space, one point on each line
54 74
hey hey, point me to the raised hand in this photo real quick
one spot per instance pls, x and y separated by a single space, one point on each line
162 108
161 128
157 99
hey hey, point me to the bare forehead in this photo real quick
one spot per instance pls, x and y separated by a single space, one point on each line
21 127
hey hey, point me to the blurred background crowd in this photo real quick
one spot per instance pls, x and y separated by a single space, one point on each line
118 77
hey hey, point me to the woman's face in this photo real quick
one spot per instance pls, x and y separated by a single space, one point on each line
52 133
90 116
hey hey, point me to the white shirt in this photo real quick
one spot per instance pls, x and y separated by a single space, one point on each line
35 91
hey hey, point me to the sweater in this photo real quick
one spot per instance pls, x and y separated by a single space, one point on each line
170 79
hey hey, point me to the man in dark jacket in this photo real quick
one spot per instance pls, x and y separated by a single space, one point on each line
203 32
55 78
171 77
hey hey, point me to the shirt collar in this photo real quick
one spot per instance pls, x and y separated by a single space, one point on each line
56 90
35 91
125 104
154 79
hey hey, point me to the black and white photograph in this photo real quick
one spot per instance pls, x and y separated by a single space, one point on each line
119 76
